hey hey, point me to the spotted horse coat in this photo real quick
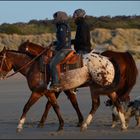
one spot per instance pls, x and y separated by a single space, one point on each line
95 66
100 68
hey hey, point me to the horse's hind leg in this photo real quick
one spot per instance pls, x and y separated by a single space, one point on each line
33 98
45 114
95 105
116 102
137 118
73 99
114 120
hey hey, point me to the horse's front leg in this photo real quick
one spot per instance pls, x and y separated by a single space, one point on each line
52 98
72 97
95 105
33 98
116 102
47 108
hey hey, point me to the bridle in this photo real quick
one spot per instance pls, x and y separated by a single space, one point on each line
4 61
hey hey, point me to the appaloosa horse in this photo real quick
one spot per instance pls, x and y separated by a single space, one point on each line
124 60
127 80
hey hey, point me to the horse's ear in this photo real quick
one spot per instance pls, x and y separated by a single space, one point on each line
7 48
27 42
4 49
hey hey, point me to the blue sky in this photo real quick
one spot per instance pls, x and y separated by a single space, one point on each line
24 11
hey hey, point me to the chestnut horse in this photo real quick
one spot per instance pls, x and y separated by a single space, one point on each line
30 68
127 81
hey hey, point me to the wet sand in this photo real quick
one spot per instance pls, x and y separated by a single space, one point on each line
14 93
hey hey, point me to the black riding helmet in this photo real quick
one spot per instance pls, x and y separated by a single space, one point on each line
79 13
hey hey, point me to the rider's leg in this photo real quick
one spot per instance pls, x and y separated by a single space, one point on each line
57 59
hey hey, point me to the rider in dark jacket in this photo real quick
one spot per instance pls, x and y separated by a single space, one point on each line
63 46
82 38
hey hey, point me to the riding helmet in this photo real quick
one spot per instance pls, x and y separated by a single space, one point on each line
60 16
79 13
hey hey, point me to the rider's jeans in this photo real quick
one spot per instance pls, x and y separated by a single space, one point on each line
60 55
82 52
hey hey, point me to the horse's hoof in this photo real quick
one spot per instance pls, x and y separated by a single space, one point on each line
60 131
40 125
127 125
19 130
113 126
83 127
123 129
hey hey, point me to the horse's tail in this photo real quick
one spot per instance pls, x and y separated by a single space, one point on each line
131 75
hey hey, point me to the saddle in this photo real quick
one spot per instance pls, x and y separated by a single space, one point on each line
72 61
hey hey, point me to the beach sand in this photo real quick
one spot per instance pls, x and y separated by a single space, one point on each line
14 93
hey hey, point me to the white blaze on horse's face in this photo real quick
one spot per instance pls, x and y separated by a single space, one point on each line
26 49
100 68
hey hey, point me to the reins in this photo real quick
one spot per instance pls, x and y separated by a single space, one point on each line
3 58
28 63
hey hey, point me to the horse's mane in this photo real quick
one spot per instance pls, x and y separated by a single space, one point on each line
15 51
23 46
31 43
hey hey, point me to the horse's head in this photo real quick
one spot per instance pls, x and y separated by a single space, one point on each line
5 65
35 50
30 48
23 46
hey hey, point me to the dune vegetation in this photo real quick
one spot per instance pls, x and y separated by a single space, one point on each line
120 33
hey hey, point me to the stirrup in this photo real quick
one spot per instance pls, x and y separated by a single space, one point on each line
55 88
